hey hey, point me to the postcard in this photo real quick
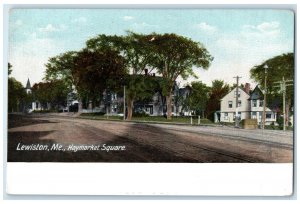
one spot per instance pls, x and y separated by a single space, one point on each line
137 92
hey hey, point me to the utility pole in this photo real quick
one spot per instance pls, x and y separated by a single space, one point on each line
263 122
237 101
124 108
283 85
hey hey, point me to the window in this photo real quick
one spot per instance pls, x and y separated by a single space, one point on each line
239 115
253 115
238 94
268 115
261 103
229 104
149 109
254 103
239 103
226 116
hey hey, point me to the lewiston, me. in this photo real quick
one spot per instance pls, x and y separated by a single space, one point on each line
71 147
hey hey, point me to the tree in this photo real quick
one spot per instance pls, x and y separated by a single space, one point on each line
278 67
199 96
136 54
98 70
61 67
51 94
16 93
218 90
175 56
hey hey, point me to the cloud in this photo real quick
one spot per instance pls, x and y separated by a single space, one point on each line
50 28
128 18
267 29
143 25
206 27
79 20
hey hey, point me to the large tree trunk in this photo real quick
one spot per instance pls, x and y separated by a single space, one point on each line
169 105
129 108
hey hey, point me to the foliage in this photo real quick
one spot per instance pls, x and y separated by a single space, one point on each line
199 96
17 96
278 67
175 56
218 90
52 92
136 56
60 67
96 71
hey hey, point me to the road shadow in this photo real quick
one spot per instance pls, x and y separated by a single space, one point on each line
19 120
139 148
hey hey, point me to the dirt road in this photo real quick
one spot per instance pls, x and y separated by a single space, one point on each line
57 139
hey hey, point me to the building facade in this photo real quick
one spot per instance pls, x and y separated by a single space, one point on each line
230 108
257 107
250 106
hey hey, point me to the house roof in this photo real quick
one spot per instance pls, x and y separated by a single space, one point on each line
28 86
256 94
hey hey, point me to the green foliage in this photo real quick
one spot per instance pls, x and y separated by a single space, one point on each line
60 67
218 90
199 96
52 92
140 114
141 87
16 95
96 71
278 67
175 55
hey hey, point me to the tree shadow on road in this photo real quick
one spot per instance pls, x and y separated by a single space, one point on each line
143 143
18 120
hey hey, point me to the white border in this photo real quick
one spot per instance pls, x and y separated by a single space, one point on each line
149 179
262 179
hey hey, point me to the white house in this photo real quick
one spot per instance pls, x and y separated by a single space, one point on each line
229 107
250 106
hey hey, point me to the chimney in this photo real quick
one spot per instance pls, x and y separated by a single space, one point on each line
146 72
247 88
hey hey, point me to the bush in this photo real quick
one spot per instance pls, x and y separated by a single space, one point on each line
93 114
140 114
44 111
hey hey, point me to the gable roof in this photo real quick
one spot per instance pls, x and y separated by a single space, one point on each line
256 94
240 89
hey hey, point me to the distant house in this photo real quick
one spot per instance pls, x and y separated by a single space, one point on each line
112 103
250 105
257 107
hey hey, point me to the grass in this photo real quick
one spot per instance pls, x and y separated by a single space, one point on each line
184 120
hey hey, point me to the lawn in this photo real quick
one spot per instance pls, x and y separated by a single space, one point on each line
160 119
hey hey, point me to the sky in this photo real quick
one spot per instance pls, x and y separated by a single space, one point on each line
238 39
